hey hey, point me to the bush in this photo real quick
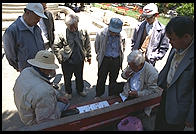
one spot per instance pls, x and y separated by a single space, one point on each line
183 9
186 9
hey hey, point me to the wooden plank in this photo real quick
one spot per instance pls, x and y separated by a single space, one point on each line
89 119
94 121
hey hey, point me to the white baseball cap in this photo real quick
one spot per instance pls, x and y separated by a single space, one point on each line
37 8
149 10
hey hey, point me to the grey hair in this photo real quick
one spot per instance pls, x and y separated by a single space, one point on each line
71 19
136 57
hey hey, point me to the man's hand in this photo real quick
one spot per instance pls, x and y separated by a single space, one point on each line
189 125
63 99
129 73
133 93
161 89
89 61
60 58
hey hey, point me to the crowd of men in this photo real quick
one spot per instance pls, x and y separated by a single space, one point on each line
27 42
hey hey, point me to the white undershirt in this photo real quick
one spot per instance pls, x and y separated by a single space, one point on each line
149 28
44 30
30 28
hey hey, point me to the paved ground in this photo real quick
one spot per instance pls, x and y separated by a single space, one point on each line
10 117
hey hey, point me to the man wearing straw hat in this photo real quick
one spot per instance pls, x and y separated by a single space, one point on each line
35 98
22 39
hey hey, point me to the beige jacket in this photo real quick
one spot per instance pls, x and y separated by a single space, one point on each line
100 45
35 99
148 80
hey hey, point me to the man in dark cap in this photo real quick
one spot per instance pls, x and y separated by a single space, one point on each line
109 47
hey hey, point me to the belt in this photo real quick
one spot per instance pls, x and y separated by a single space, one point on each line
111 58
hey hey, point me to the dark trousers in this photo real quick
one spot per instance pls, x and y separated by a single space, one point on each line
70 69
160 121
109 66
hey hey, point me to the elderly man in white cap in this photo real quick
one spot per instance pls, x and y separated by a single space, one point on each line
22 39
109 47
149 36
35 98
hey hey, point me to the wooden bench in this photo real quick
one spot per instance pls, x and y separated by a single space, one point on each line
92 120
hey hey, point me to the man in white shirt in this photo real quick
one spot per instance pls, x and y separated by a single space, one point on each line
47 27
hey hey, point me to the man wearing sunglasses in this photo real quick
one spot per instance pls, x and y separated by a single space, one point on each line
149 36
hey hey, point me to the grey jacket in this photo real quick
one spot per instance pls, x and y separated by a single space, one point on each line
179 106
50 27
20 44
64 40
148 80
100 45
158 45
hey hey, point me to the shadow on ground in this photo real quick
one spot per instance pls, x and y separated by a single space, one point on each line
11 120
90 89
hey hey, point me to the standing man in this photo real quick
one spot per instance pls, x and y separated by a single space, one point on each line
47 27
149 36
72 48
109 47
22 39
177 78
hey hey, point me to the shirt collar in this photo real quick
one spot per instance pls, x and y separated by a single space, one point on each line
30 28
41 73
183 51
109 35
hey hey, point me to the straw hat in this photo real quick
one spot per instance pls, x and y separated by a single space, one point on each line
43 59
37 8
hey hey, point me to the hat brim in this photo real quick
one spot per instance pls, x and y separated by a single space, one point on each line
42 65
115 30
146 15
40 15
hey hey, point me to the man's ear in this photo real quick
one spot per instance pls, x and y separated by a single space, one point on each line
187 36
156 15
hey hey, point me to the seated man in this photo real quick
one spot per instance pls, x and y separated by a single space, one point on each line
140 75
35 98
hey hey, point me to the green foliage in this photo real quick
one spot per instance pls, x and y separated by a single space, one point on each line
173 6
163 7
163 20
186 9
183 9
